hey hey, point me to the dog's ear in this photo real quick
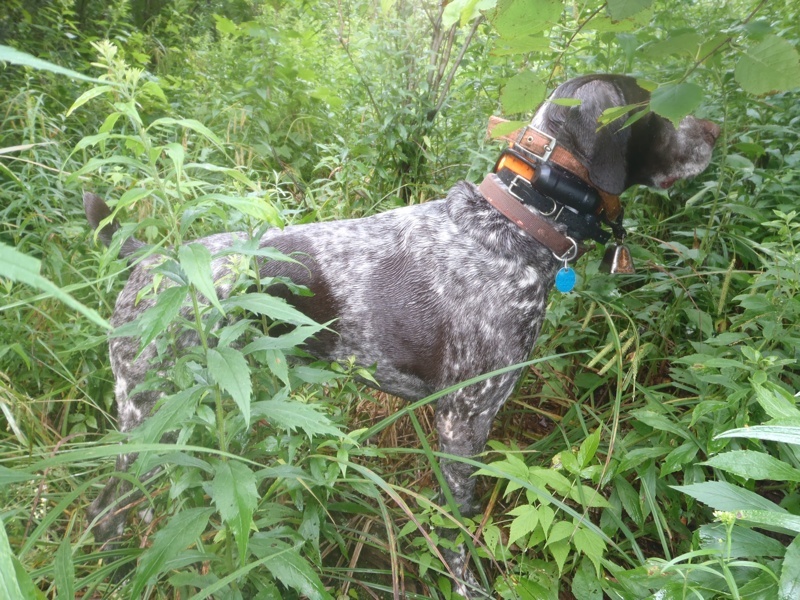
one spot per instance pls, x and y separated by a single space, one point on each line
601 148
97 210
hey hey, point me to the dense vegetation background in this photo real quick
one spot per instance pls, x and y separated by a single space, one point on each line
650 452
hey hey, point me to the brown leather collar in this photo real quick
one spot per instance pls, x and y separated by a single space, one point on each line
498 195
543 146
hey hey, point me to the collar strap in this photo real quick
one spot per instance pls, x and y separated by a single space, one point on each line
563 247
544 148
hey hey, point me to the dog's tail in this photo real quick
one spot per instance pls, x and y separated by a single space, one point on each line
96 211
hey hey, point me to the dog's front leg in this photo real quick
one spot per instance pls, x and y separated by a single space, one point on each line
464 420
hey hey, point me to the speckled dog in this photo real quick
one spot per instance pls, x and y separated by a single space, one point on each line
437 293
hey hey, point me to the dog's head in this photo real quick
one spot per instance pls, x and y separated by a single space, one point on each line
651 152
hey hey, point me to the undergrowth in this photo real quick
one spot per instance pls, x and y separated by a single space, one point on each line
649 452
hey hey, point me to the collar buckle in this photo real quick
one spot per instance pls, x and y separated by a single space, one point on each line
525 140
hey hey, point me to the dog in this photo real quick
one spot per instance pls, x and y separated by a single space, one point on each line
437 293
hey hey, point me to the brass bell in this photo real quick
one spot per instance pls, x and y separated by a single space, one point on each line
617 259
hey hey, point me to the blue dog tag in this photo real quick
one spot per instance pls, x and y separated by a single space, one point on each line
565 279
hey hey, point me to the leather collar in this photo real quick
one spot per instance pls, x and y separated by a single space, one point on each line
544 147
498 195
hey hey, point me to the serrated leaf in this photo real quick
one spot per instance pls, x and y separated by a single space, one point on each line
464 11
175 410
674 101
720 495
283 342
522 93
753 465
296 415
234 493
591 545
270 306
771 66
527 517
195 261
157 318
169 542
789 584
229 369
684 43
288 567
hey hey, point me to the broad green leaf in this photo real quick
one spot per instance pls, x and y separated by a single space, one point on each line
683 43
195 261
175 410
177 155
586 583
622 9
588 496
513 466
561 530
522 93
674 101
14 56
270 306
9 586
679 457
630 500
156 319
88 95
591 545
168 543
744 542
521 45
254 206
588 449
541 476
789 434
660 422
276 361
527 517
754 465
20 267
520 18
771 519
560 551
293 415
229 369
771 66
464 11
506 128
192 124
283 342
720 495
64 571
288 567
776 402
790 572
234 493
